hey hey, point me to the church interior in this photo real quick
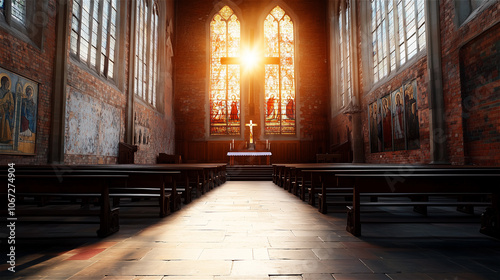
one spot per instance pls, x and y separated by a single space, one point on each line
266 132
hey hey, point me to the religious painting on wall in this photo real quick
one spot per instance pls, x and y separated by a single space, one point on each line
387 122
280 99
18 113
375 121
225 110
411 116
398 123
393 120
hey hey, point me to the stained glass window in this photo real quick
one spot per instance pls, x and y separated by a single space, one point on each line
225 105
146 51
344 42
279 79
398 33
93 34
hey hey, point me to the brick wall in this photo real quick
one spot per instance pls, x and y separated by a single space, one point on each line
85 138
22 57
192 70
453 37
480 79
96 115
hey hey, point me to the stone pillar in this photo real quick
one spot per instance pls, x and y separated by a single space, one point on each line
354 109
58 122
358 151
438 147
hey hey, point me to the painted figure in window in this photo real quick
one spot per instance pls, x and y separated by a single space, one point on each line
28 113
6 110
398 121
234 109
290 108
387 122
412 123
271 110
218 111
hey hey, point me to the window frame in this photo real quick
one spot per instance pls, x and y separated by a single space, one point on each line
99 66
344 87
227 112
148 90
386 65
282 100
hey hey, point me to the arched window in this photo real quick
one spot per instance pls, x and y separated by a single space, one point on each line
146 51
279 79
344 49
94 33
398 33
225 113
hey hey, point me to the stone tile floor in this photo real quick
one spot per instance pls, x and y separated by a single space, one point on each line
253 231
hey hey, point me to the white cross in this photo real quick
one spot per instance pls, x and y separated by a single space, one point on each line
251 125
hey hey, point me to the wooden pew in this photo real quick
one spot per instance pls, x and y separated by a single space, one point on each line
138 177
332 186
304 182
79 184
428 183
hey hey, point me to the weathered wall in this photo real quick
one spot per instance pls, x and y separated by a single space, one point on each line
96 109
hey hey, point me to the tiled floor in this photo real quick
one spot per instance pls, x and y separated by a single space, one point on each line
256 230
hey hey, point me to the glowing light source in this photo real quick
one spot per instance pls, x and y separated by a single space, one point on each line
250 59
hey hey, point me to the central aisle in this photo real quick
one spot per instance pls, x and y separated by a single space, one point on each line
246 230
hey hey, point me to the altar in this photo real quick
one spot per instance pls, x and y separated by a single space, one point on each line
249 158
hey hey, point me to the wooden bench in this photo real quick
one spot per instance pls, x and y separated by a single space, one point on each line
332 186
137 177
81 184
303 182
428 183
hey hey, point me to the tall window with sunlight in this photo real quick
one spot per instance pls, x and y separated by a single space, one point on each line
94 33
344 48
279 79
225 108
398 33
146 51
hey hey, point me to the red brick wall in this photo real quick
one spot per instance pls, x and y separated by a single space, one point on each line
480 77
191 77
452 39
23 58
